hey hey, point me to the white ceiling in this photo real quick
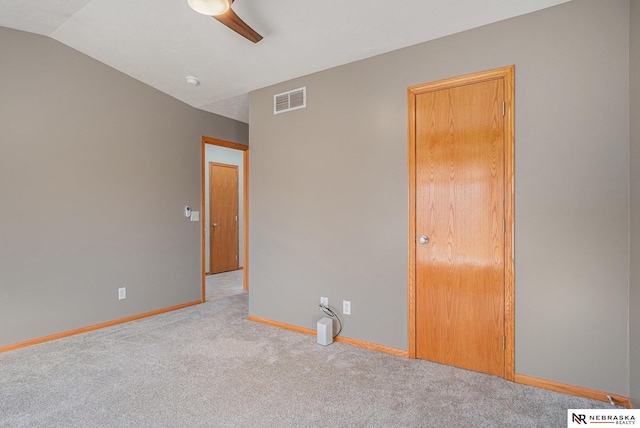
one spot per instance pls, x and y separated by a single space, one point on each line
160 42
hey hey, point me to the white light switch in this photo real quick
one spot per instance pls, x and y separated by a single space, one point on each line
195 215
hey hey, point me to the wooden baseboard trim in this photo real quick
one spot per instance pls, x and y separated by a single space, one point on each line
372 346
355 342
56 336
572 390
281 325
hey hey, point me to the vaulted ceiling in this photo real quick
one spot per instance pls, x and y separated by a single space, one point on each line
161 42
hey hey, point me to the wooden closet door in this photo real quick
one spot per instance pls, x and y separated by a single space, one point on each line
460 210
223 202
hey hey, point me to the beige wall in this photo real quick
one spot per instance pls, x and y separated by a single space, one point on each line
95 171
634 157
329 189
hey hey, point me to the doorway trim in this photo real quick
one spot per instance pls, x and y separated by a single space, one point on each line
245 209
508 76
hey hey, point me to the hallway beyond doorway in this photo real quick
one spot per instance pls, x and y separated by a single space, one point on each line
224 284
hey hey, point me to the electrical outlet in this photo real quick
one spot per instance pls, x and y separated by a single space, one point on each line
122 293
346 307
324 301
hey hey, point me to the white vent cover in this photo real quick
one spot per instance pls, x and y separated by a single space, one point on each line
292 100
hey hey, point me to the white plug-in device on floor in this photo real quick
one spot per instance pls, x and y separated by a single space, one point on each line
325 331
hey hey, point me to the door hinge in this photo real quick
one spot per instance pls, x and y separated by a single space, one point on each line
236 218
236 257
504 108
504 343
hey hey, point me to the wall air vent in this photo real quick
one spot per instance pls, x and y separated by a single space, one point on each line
292 100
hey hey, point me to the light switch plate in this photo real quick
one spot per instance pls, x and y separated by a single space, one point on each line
195 215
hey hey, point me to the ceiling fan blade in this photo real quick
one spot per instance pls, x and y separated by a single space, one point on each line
233 21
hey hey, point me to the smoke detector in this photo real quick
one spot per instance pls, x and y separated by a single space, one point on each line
193 81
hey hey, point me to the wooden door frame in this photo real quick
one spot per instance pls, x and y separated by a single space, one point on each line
245 208
508 74
211 164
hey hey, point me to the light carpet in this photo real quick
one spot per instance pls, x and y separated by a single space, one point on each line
208 366
224 284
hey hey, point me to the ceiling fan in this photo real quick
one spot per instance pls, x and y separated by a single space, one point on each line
221 11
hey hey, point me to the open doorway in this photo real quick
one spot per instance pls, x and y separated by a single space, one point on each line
214 151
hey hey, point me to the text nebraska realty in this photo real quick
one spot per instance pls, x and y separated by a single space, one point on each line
606 419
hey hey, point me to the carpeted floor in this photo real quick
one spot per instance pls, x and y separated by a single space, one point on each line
208 366
224 284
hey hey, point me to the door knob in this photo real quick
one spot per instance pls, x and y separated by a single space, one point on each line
215 225
423 239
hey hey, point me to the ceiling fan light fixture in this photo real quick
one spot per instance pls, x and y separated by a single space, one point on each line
210 7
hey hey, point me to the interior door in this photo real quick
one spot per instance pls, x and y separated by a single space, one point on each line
459 225
223 209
